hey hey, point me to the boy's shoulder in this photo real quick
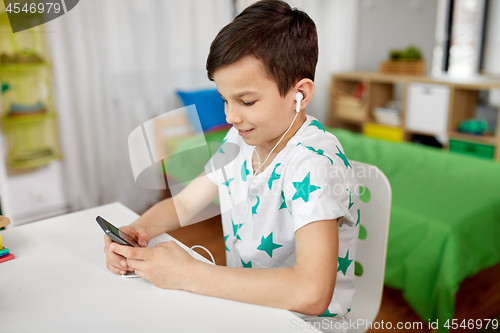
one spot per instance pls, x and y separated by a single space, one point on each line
313 140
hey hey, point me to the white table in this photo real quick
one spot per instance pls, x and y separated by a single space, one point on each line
59 282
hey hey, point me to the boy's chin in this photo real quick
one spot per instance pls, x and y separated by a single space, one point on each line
250 141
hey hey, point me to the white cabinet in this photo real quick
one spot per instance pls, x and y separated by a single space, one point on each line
32 196
38 194
427 109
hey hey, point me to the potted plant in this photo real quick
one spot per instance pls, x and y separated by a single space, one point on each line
408 61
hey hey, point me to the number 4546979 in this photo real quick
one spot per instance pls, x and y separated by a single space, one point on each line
471 323
33 8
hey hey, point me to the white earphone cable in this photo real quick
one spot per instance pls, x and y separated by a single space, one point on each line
297 110
204 248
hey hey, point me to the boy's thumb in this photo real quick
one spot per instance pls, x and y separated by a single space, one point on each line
143 240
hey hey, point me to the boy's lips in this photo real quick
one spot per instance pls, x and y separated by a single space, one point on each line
244 132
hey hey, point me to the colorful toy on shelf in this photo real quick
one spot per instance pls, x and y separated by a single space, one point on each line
4 253
25 110
473 126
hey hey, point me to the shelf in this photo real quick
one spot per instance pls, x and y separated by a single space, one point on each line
476 82
28 118
459 104
349 120
413 132
386 125
23 67
488 139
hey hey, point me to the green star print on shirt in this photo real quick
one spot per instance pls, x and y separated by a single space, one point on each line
246 264
327 314
244 171
227 184
304 188
344 263
267 244
254 208
317 124
350 202
319 152
283 204
220 147
343 158
236 227
274 176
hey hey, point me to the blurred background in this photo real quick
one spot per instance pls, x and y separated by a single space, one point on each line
400 73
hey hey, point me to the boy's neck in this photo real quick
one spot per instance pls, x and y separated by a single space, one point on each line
265 148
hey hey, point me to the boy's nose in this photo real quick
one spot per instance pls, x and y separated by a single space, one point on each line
232 116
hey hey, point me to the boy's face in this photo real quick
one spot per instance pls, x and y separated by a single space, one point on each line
253 102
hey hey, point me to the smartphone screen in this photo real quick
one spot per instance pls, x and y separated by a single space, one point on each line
116 234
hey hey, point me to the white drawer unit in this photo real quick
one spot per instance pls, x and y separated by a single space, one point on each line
427 109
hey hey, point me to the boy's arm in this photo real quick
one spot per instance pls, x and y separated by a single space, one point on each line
306 287
165 215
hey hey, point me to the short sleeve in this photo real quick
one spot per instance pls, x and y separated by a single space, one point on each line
210 172
222 155
317 188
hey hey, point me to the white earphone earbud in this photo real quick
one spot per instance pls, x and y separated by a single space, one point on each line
298 97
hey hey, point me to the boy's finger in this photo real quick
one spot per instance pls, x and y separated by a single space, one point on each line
130 252
137 264
113 268
143 240
115 260
107 240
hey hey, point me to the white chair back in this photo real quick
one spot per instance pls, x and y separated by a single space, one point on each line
375 210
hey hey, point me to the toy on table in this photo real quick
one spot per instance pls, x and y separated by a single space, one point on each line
4 253
473 126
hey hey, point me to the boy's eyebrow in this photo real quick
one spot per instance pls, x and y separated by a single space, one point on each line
241 94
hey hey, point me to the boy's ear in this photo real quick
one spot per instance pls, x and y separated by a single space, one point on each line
306 87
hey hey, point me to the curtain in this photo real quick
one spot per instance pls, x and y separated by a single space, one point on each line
117 64
336 23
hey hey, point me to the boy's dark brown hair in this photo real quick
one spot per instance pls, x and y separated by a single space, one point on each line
283 39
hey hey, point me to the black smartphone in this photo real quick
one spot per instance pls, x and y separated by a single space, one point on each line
116 234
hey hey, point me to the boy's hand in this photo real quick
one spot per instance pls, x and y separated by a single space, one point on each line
167 265
116 263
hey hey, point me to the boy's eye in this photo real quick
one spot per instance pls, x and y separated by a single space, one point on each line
249 103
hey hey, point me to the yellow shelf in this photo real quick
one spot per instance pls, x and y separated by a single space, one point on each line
24 67
28 118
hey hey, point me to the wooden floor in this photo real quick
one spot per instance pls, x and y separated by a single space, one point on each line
478 297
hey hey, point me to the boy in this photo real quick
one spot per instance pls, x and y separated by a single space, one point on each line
290 209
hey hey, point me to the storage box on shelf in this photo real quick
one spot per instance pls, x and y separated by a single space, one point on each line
433 106
463 101
369 118
345 105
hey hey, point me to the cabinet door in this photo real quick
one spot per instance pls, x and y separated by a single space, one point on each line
427 108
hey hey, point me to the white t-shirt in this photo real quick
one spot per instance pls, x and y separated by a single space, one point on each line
309 180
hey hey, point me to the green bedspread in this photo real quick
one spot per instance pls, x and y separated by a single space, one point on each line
445 216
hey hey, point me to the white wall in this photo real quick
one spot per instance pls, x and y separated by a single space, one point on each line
394 24
492 39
